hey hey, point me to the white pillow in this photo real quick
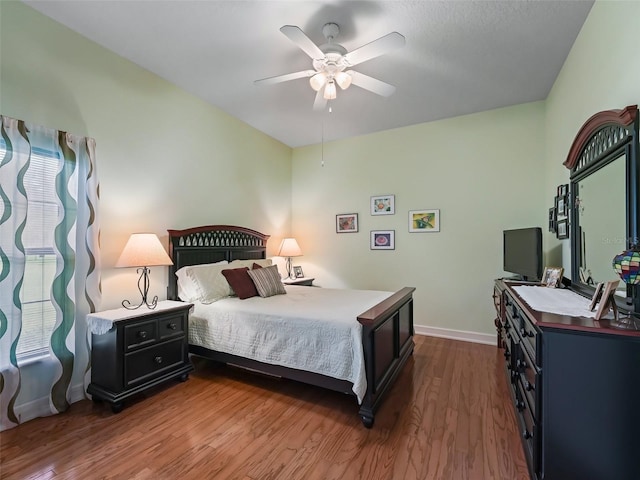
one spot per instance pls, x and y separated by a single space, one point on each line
187 287
263 262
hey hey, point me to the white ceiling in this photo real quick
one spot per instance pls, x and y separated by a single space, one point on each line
460 57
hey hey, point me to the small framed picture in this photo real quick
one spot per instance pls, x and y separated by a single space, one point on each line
561 205
563 190
383 205
552 276
596 296
297 272
424 221
562 229
347 223
383 239
607 301
553 218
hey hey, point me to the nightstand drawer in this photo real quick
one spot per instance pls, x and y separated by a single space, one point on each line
171 326
140 334
145 364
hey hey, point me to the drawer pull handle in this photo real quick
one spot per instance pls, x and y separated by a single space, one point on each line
529 386
158 360
142 334
173 326
527 434
520 405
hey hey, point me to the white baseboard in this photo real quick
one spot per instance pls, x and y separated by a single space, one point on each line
40 406
485 338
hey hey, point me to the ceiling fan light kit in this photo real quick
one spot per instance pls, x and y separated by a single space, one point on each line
330 61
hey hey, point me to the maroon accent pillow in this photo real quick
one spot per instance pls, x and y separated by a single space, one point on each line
240 282
255 265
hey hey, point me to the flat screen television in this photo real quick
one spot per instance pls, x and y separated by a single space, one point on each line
522 253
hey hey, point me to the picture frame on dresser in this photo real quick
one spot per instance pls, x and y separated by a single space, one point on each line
297 271
552 276
607 301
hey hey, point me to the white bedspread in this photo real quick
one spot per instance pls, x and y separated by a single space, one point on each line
310 329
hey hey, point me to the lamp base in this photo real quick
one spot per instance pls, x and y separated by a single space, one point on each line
626 322
143 288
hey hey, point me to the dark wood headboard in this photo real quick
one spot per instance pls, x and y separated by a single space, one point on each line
210 244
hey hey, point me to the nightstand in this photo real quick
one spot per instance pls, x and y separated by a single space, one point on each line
304 281
138 350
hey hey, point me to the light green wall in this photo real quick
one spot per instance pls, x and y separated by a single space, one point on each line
166 159
485 174
602 72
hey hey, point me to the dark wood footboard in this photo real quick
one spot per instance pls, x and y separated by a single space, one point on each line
387 339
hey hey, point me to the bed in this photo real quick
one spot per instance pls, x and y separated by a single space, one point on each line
386 327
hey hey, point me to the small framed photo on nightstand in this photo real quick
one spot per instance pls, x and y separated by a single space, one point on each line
297 272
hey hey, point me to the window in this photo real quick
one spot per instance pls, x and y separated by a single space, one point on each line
38 313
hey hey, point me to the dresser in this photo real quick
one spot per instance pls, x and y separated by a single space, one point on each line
575 388
133 350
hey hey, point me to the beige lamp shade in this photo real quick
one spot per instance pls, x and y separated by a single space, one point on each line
289 248
143 250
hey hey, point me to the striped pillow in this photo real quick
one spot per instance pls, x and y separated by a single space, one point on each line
267 281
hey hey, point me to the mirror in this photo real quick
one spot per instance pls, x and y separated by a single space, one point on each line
601 209
603 200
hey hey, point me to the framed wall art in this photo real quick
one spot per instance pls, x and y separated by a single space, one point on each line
383 239
562 229
383 205
553 218
347 223
424 221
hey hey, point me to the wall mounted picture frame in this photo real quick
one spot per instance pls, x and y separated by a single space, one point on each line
383 205
561 206
347 223
552 276
383 240
553 219
424 220
562 229
563 190
297 272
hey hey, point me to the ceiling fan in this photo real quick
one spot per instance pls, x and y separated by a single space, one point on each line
332 63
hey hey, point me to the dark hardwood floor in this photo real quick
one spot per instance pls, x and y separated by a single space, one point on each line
449 416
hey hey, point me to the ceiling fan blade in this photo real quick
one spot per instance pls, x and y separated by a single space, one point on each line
320 102
298 37
376 48
285 78
372 84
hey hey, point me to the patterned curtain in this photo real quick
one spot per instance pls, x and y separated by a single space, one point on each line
75 290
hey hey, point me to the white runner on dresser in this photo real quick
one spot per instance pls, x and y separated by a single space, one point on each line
556 300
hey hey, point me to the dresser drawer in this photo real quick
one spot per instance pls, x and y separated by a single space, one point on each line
140 334
528 378
171 326
144 364
528 428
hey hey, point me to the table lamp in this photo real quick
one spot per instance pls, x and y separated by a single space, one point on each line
143 250
627 266
289 248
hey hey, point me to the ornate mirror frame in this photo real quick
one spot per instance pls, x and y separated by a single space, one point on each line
603 138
